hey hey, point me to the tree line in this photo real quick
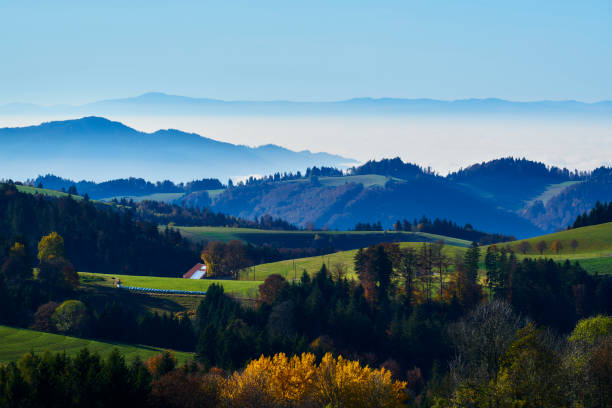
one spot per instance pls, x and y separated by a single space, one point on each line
97 237
160 213
440 227
392 167
88 380
123 187
314 171
600 214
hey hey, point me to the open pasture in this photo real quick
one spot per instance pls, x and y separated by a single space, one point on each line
238 288
162 197
594 241
294 239
16 342
313 264
44 191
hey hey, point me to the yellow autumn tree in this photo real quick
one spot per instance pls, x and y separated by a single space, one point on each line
51 247
336 382
345 383
279 378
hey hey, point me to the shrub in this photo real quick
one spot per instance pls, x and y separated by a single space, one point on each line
71 317
43 317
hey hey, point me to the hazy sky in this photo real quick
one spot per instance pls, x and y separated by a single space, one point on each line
77 51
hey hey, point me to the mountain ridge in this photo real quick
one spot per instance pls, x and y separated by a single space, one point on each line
152 101
91 146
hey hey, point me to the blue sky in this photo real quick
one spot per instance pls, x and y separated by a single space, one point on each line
78 51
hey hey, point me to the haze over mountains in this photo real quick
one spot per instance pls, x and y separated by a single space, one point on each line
445 135
523 198
98 149
161 103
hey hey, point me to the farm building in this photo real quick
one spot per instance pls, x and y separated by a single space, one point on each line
197 272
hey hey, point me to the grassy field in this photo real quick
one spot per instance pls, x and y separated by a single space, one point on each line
594 251
313 264
593 242
16 342
601 266
163 197
44 191
226 234
238 288
368 180
214 193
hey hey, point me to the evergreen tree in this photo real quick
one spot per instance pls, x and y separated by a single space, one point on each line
470 260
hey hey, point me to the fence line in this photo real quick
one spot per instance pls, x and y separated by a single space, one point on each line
162 291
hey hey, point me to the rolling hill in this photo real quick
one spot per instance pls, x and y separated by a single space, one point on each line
98 149
594 253
292 269
296 239
594 241
510 196
16 342
232 287
342 202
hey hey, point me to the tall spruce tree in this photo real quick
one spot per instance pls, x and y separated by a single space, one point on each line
470 259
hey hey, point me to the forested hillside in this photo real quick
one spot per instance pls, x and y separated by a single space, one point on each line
561 210
124 187
509 181
600 214
509 196
323 202
98 237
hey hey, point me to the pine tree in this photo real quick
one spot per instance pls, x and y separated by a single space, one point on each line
471 259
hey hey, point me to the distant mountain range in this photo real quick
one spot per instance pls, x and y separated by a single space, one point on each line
160 103
95 148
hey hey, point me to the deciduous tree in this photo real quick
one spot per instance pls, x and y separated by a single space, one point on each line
556 246
541 246
271 288
51 246
574 244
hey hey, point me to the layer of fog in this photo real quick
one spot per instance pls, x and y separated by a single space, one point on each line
444 143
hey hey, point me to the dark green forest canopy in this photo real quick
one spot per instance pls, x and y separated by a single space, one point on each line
98 237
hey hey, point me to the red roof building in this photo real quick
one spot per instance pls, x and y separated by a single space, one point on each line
197 272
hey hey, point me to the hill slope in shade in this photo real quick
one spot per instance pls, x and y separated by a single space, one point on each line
561 210
98 149
341 206
16 342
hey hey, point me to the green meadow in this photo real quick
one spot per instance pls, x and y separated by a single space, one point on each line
594 241
44 191
238 288
16 342
293 268
368 180
226 234
163 197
